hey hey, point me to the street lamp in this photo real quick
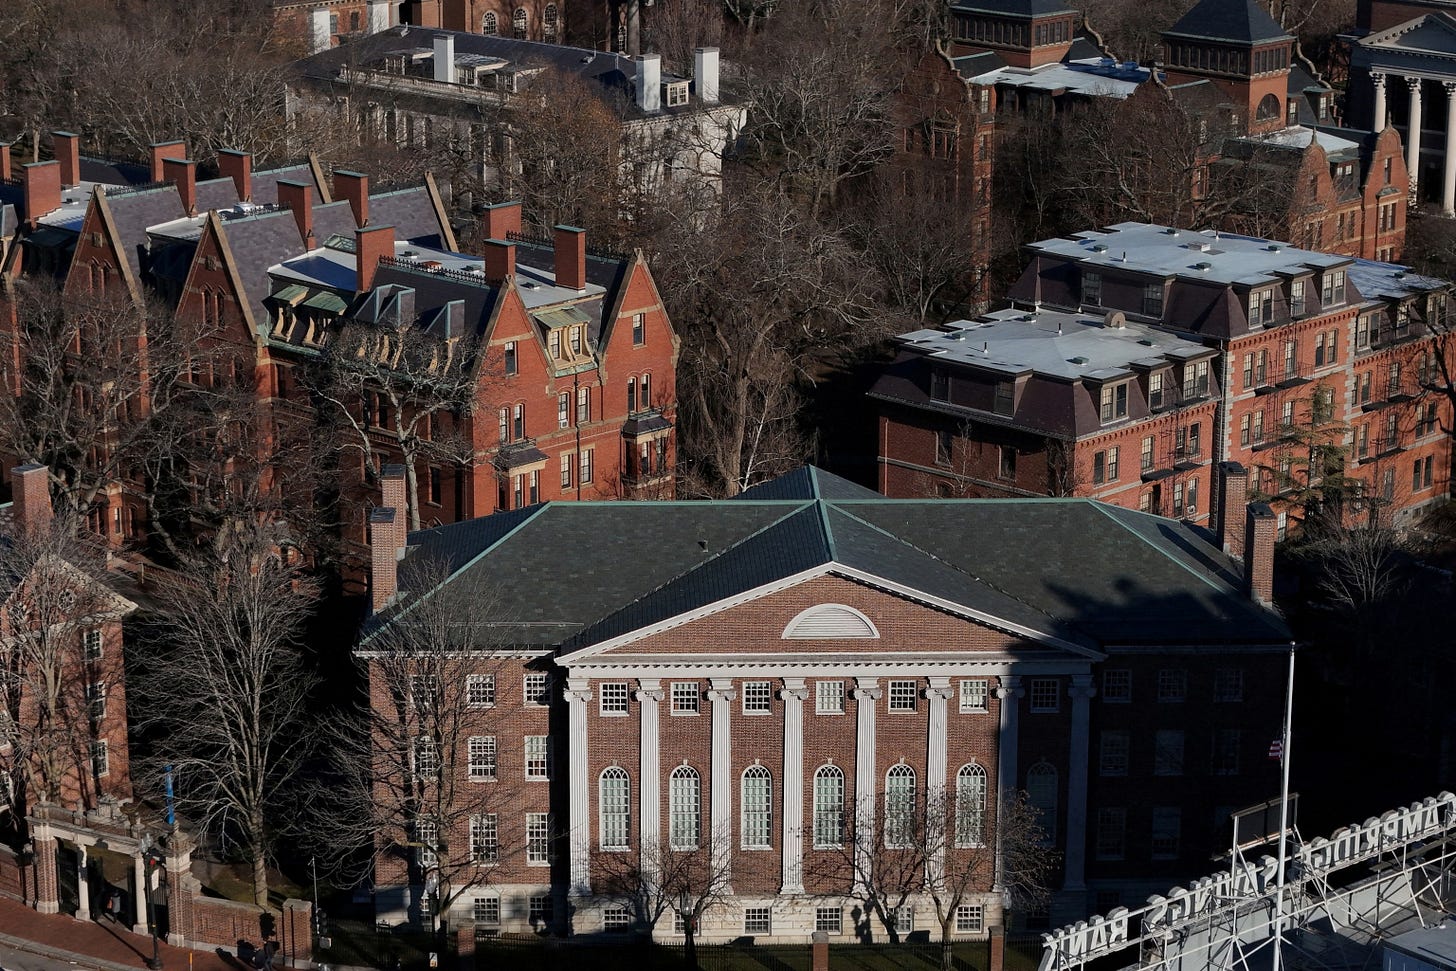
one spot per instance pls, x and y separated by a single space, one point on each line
151 857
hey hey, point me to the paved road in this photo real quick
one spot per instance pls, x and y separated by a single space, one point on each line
13 960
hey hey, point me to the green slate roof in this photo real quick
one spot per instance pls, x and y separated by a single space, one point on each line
1230 21
1073 572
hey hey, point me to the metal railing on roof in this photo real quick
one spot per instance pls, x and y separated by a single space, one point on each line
463 276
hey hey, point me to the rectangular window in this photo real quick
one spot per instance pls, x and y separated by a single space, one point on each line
563 409
553 343
1099 468
902 695
1226 751
1296 298
905 919
584 469
1005 403
616 918
538 758
427 839
518 422
568 462
481 753
1008 462
1244 430
1258 433
639 330
970 919
484 839
1168 751
91 644
540 911
480 690
537 688
1146 456
1091 288
1110 840
975 693
757 698
538 839
100 758
1113 756
1291 358
613 698
486 910
1117 686
830 920
757 920
1114 402
1046 694
1228 684
1153 300
829 697
1155 390
1167 830
96 692
427 757
939 384
944 440
583 405
1248 370
1172 685
1332 291
685 697
511 364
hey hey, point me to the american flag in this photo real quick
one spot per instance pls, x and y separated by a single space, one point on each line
1276 749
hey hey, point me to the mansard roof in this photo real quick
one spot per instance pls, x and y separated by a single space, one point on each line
1014 8
1230 22
1070 573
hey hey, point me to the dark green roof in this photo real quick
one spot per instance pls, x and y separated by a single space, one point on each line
1229 21
1073 572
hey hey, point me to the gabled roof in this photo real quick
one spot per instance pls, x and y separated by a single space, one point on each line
1429 35
1070 573
132 211
1229 21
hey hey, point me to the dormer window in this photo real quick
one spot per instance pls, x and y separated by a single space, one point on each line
1114 402
1153 300
1005 397
1261 307
939 384
1195 380
1091 288
677 94
1155 390
1296 298
1332 290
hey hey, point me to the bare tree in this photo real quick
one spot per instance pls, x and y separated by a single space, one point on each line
1359 566
904 846
224 690
87 380
415 790
54 681
658 878
396 390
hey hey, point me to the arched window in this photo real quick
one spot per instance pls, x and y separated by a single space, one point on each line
1268 107
685 819
489 25
970 805
518 23
829 806
1041 792
548 22
757 808
614 807
899 805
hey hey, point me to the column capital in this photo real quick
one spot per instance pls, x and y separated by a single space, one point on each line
794 690
938 692
1414 83
1010 687
867 689
721 689
1377 78
577 692
1082 686
1450 87
648 694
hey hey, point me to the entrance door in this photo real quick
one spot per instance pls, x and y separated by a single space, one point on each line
67 860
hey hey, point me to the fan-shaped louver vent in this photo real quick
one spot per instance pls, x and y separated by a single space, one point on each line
827 621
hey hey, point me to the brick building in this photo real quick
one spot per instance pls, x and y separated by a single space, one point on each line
749 679
1325 371
1036 403
1226 62
274 265
322 24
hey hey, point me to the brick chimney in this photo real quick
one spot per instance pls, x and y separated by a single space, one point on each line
160 152
182 172
500 219
67 149
370 246
500 260
392 496
570 253
6 171
42 188
32 497
237 166
298 196
353 186
1234 495
1259 538
383 556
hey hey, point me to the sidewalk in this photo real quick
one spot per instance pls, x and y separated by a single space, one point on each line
96 944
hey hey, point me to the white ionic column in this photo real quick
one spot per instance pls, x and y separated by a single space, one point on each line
721 694
83 885
1378 119
793 693
936 800
577 694
866 790
649 773
1413 140
1081 692
1448 163
139 925
1009 694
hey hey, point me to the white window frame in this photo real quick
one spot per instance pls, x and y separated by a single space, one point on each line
536 688
486 909
1114 752
975 696
537 758
538 839
1117 686
829 697
828 818
92 644
685 808
970 918
1228 685
901 696
481 755
757 698
970 805
1166 845
830 920
614 699
484 839
1172 686
686 697
480 690
614 813
900 806
758 921
100 758
1045 695
1169 745
756 808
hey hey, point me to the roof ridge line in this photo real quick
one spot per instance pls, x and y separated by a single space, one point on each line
1163 553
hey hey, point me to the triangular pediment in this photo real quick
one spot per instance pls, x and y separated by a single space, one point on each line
1432 34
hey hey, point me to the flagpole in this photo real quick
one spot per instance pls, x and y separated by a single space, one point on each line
1283 814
